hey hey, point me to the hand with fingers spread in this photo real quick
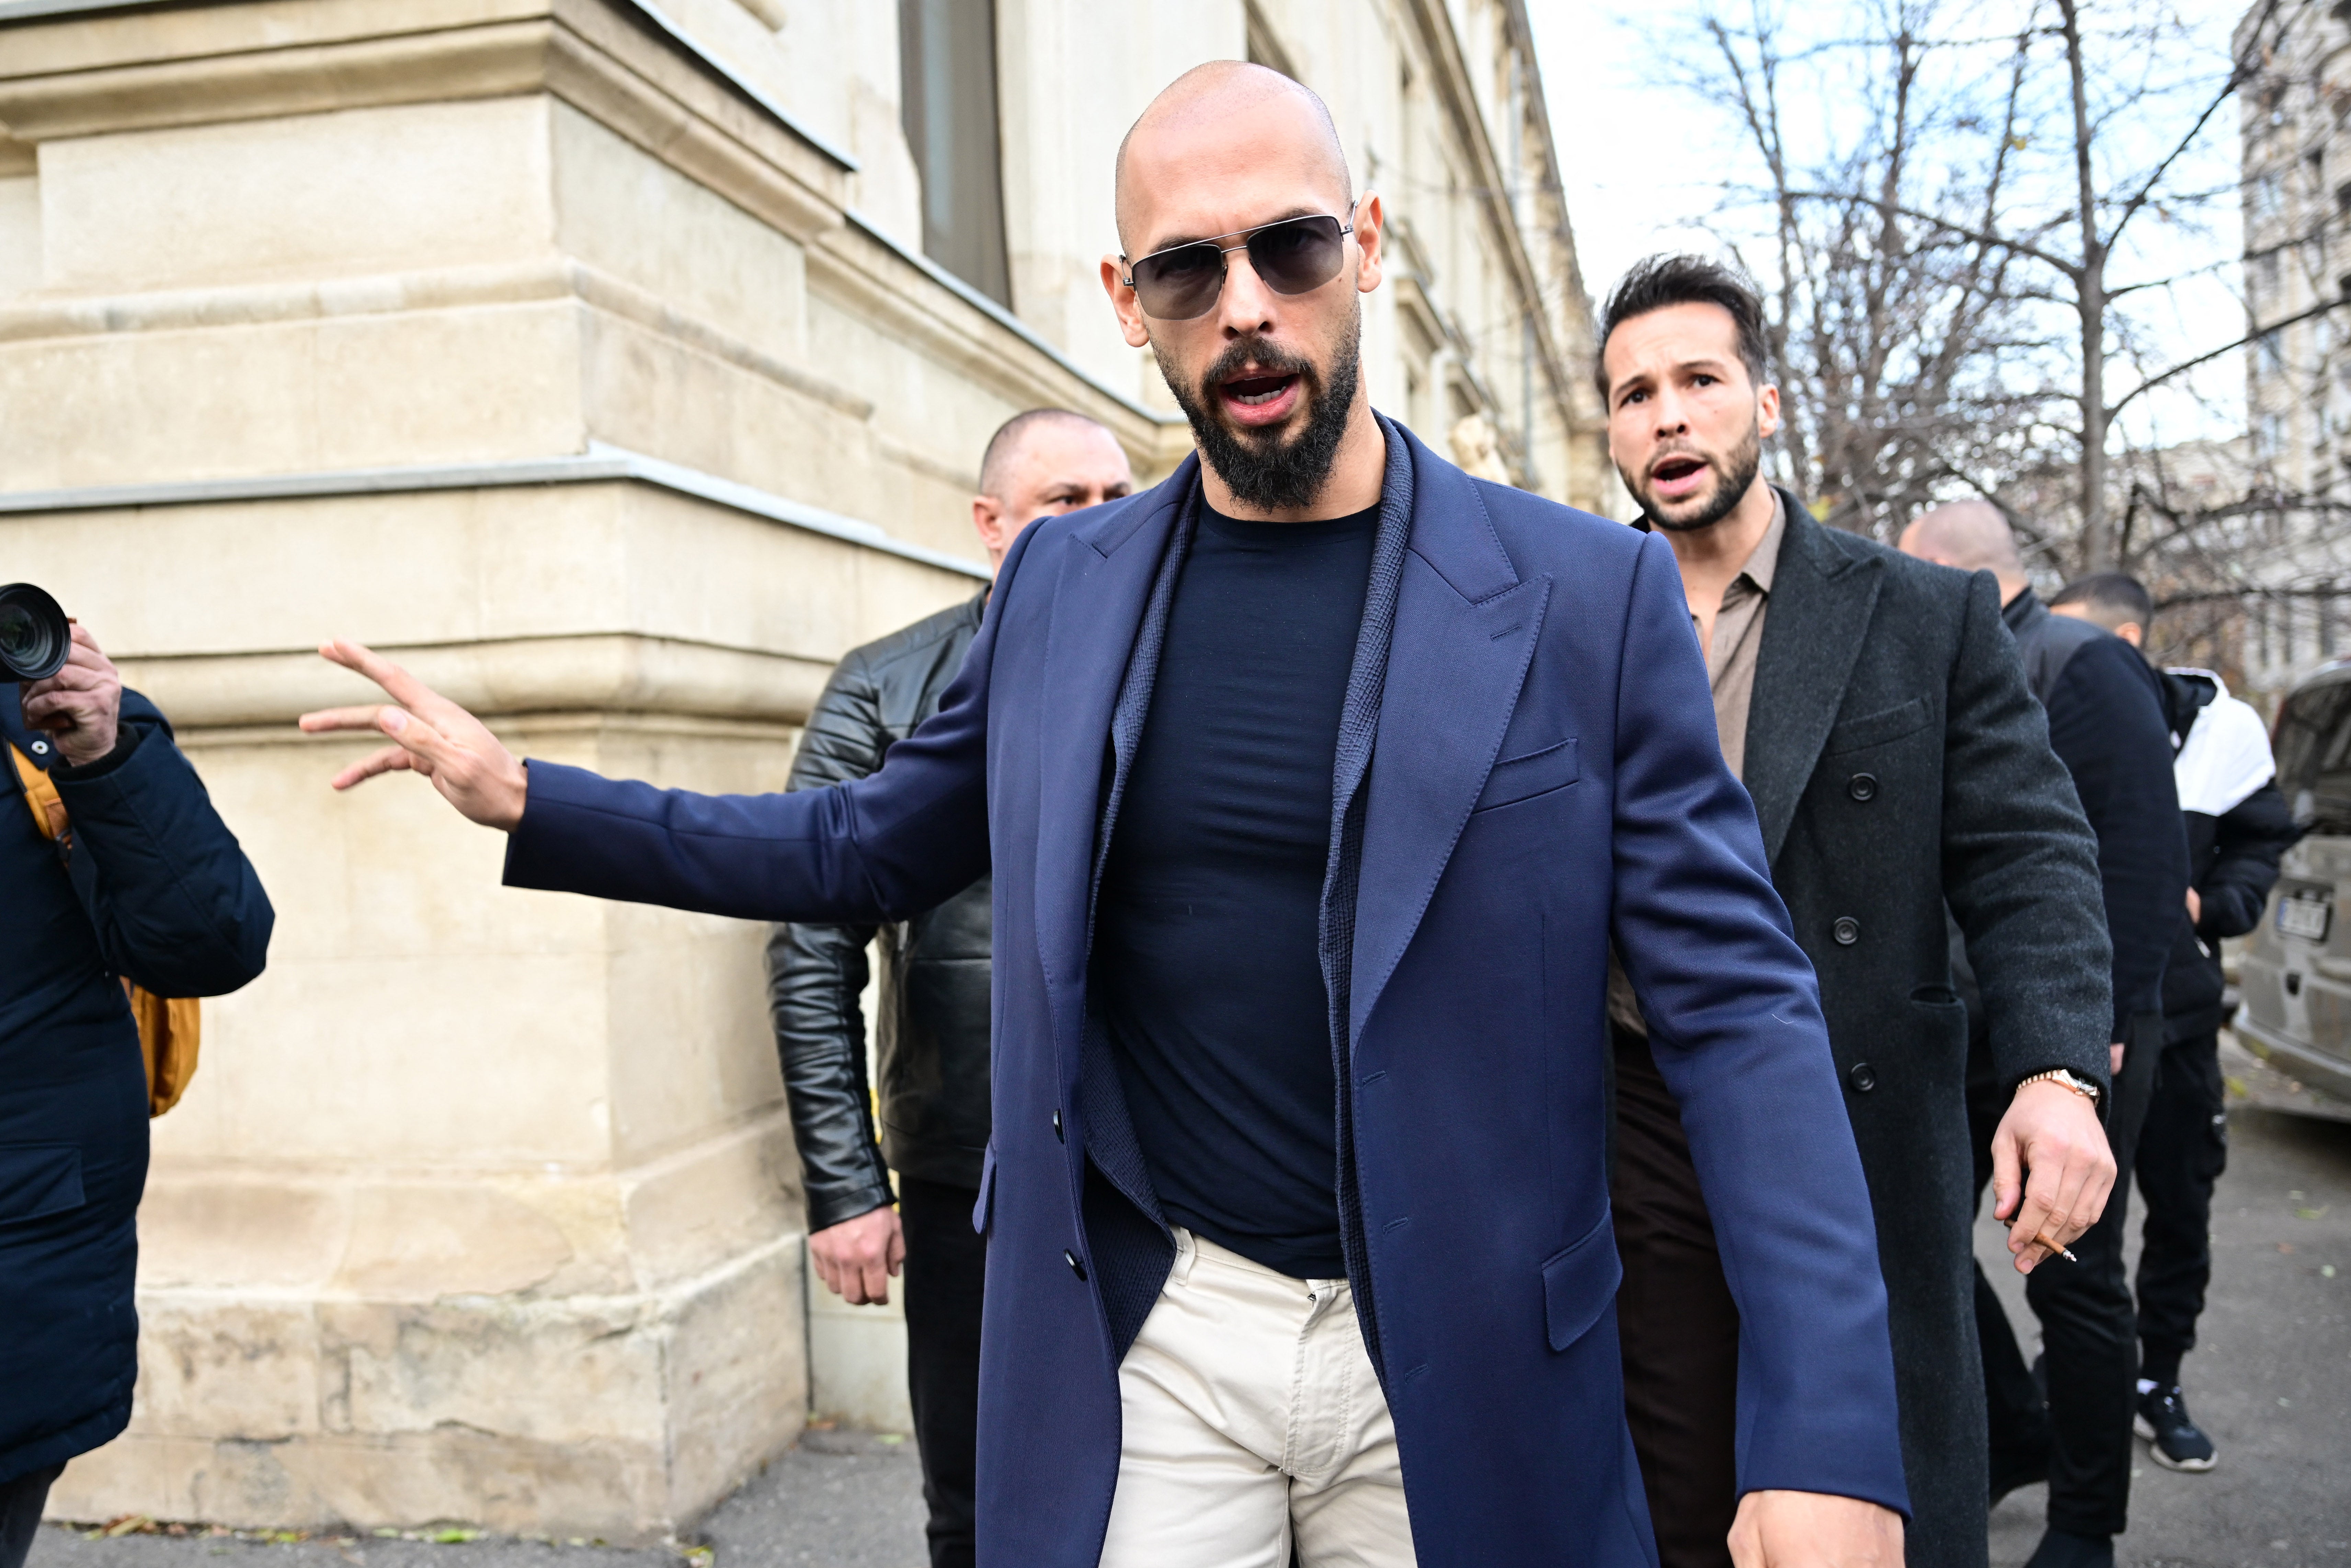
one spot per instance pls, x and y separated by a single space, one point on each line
81 705
2051 1170
431 736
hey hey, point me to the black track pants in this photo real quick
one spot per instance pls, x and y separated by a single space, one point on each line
2182 1151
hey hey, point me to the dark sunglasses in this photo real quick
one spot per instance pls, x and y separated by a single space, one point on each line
1293 256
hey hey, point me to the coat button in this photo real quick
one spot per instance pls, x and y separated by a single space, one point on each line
1075 1267
1861 1077
40 749
1862 787
1058 1136
1847 931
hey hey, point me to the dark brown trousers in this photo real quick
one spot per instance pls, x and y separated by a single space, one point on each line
1676 1322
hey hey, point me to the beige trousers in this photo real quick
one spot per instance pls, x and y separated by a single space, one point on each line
1253 1423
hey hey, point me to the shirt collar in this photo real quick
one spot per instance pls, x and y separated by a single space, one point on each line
1765 558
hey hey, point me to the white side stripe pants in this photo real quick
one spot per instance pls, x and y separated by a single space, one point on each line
1253 1421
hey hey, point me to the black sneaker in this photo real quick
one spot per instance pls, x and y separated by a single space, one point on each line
2174 1439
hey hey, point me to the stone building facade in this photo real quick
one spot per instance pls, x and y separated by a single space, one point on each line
616 365
2290 479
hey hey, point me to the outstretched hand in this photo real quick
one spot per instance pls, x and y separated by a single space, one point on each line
431 736
2052 1170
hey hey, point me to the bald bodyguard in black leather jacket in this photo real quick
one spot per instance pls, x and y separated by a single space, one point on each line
932 1036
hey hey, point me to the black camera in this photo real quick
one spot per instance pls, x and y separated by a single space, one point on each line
35 636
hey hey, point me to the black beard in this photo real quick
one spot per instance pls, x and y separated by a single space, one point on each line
1268 473
1746 462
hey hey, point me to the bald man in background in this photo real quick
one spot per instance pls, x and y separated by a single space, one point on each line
1315 781
2107 725
931 1042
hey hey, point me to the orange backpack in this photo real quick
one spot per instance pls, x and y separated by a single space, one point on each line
169 1027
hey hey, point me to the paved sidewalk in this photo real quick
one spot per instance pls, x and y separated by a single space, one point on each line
2271 1380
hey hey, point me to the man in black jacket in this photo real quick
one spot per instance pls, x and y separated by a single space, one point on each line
931 1038
145 885
1874 708
2106 722
2239 829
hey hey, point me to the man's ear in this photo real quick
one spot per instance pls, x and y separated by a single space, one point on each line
1767 411
1122 301
987 522
1371 221
2134 634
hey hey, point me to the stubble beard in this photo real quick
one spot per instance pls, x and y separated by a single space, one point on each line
1262 470
1745 461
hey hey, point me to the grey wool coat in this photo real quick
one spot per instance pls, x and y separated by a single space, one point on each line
1898 762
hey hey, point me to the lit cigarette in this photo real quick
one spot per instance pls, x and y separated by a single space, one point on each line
2055 1246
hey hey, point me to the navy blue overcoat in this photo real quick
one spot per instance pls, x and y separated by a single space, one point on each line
1542 773
155 889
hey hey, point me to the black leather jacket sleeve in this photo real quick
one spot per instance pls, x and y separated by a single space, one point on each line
815 976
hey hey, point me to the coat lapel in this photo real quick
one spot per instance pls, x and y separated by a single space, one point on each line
1812 631
1106 572
1465 631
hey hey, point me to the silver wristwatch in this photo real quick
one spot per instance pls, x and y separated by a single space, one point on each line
2077 1083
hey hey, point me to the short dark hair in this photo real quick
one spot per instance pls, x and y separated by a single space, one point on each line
2116 594
1007 439
1657 281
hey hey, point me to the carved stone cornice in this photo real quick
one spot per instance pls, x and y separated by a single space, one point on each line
212 64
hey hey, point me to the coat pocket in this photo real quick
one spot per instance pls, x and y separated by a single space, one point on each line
1877 729
1517 778
983 1208
37 1180
1579 1282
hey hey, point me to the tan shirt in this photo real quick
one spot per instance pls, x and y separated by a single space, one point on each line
1739 635
1730 672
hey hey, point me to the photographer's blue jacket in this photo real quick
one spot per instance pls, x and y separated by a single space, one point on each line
157 890
1527 767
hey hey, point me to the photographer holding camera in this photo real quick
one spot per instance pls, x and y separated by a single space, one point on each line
115 873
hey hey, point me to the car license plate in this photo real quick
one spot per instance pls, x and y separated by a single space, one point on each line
2306 912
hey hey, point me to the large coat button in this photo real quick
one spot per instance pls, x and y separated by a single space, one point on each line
1075 1267
1862 1076
1862 787
1847 931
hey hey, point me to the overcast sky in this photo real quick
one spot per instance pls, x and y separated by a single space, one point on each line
1638 161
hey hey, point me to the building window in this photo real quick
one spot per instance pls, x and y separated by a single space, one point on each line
947 98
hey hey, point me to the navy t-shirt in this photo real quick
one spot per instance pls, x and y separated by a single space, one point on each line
1206 939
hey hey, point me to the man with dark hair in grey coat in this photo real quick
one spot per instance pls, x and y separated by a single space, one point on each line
1874 708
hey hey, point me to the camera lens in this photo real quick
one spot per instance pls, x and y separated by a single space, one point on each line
35 636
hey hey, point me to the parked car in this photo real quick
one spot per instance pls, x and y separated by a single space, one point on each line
2294 975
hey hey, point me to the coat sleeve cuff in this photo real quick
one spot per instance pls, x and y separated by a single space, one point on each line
830 1206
